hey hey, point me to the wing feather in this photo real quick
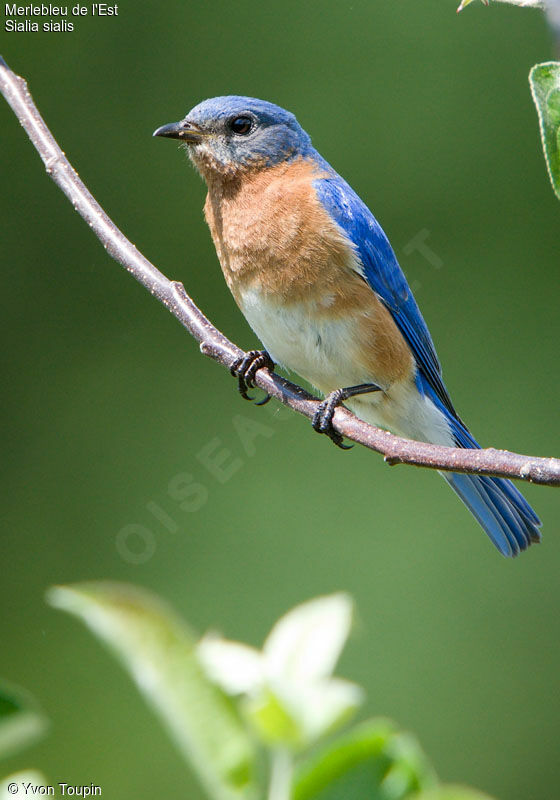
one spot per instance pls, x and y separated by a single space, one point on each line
382 272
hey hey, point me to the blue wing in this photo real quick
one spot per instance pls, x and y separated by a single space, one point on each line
498 506
383 273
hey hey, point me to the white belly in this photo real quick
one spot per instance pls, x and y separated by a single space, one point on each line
322 351
406 412
303 340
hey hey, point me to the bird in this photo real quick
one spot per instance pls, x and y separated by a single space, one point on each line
316 278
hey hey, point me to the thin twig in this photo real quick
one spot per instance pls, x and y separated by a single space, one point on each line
213 343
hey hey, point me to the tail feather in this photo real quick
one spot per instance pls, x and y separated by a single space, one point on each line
493 503
496 503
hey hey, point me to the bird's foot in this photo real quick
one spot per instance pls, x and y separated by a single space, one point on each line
245 368
323 417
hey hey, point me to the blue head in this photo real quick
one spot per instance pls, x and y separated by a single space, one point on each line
233 134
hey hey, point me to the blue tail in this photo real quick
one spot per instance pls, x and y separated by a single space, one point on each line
496 503
500 508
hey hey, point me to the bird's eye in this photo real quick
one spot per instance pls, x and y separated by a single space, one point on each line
241 125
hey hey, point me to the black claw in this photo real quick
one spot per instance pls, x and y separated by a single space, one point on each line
245 368
322 420
323 417
242 387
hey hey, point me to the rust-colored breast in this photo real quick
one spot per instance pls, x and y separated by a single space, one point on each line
269 227
272 234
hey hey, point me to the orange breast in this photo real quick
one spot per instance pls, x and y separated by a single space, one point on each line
272 234
269 226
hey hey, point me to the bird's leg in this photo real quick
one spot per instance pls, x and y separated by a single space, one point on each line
322 419
245 367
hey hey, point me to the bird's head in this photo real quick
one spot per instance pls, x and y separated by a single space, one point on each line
229 135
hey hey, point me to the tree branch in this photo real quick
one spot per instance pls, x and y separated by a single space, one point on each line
213 343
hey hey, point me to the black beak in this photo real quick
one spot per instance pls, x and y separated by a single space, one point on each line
185 131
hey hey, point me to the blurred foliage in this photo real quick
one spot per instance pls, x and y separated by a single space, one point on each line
181 680
373 760
288 693
545 85
109 411
21 720
158 651
523 3
21 724
22 779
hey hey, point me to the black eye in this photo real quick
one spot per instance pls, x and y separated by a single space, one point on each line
241 125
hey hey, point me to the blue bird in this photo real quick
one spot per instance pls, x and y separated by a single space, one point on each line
317 280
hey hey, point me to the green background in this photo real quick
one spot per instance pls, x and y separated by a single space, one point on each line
106 399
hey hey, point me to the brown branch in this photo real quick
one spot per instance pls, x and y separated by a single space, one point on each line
214 344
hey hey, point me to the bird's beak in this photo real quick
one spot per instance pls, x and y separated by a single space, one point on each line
185 131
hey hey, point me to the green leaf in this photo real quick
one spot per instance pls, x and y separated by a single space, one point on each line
305 644
451 793
466 3
21 721
288 694
234 666
545 87
159 652
373 760
274 725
